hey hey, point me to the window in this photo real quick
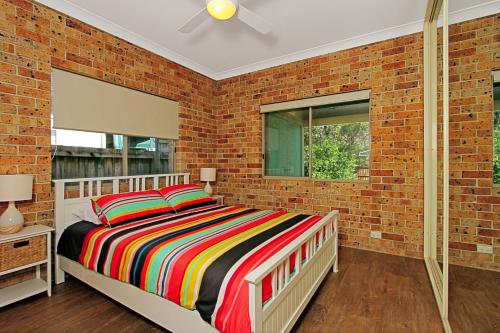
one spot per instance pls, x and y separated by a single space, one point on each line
287 143
329 139
79 154
341 141
496 127
95 110
147 156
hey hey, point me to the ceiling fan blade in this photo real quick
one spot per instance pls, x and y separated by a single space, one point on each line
253 20
195 21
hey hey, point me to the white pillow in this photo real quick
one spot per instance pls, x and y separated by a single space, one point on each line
86 213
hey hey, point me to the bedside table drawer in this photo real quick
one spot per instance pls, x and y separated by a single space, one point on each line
22 252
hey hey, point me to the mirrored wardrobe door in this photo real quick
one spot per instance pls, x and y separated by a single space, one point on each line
436 151
474 287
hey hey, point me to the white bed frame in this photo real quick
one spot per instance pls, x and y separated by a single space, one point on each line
290 294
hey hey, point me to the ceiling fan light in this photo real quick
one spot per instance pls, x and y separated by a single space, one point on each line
222 9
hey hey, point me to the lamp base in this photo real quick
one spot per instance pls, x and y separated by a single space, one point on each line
12 220
208 189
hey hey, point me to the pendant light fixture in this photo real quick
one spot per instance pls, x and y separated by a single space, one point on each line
222 9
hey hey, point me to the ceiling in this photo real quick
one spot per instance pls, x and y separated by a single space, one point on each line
300 29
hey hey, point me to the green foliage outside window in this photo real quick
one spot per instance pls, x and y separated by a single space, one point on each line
339 151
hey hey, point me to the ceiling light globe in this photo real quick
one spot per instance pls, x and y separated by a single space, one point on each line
222 9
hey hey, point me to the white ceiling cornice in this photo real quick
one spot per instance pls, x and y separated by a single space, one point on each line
132 37
481 10
484 9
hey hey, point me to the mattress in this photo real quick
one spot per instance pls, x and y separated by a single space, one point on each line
197 259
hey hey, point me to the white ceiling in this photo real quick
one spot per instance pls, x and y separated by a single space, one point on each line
301 28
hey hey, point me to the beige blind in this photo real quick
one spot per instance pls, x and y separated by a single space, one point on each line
317 101
85 104
496 76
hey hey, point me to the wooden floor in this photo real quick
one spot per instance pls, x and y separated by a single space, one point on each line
371 293
474 302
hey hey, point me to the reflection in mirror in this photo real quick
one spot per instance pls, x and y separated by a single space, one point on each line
496 128
474 291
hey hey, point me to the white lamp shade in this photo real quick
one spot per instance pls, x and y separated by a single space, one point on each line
207 174
16 187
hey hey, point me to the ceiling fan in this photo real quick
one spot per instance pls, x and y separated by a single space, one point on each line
224 10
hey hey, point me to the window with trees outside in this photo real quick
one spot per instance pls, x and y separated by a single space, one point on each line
79 154
496 127
319 141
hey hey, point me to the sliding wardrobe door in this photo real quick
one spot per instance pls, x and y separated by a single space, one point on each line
436 170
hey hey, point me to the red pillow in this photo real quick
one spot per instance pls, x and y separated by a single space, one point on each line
115 209
186 196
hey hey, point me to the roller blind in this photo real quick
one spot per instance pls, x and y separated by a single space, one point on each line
82 103
316 101
496 76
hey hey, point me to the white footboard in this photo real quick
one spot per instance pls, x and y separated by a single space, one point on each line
292 292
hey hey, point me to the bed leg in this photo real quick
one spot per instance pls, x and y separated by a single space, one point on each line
59 273
335 267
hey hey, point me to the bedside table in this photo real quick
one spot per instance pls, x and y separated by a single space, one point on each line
219 198
30 247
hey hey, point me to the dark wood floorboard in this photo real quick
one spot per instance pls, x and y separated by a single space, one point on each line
74 307
474 299
372 292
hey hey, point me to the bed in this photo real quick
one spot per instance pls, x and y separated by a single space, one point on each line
263 284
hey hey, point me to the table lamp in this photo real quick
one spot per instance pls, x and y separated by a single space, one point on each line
14 188
207 175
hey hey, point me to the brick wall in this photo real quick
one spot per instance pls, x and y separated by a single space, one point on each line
474 201
393 200
220 124
33 39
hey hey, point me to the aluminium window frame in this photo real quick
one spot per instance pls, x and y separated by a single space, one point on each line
125 153
310 103
125 150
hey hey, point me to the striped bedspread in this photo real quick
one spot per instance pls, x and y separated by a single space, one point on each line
197 259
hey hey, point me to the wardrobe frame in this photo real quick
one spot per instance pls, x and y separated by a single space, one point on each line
438 277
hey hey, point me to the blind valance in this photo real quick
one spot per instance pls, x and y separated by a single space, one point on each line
86 104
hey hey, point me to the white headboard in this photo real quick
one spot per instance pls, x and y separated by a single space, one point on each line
83 189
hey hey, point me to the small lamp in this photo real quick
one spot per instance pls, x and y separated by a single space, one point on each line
207 175
14 188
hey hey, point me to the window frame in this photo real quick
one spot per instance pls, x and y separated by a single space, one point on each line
310 103
125 152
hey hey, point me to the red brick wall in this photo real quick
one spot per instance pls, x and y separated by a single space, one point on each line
474 201
393 200
34 38
226 130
